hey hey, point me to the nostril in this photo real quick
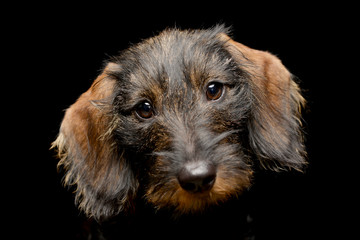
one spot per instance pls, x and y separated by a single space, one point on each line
197 177
188 186
209 180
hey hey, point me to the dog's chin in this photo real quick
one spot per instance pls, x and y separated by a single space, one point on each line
170 195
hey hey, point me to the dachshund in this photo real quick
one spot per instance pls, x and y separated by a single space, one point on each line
180 120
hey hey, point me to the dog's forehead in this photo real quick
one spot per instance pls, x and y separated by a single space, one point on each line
177 59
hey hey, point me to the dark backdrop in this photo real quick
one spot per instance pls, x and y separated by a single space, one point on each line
59 50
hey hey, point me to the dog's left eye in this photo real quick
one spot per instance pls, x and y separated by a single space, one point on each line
145 110
214 91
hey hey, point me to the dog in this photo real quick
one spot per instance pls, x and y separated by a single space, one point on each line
180 120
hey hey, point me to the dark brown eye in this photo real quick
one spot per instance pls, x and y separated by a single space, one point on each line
145 110
214 91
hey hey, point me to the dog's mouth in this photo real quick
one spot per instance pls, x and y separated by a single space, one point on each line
203 171
196 192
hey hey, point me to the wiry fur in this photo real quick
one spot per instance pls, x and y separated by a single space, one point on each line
113 157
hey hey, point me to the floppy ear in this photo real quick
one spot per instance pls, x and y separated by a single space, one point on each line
105 184
275 134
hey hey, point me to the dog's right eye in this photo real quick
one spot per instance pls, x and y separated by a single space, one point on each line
144 110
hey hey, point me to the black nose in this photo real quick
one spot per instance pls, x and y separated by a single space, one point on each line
197 177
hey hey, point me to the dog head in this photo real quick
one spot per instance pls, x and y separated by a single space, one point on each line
179 120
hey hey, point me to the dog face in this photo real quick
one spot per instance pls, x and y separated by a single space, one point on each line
179 120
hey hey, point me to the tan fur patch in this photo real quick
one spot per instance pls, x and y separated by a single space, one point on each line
225 186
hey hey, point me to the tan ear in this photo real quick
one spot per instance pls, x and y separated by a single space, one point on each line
89 153
275 127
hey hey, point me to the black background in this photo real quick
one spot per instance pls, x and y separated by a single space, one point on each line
55 52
